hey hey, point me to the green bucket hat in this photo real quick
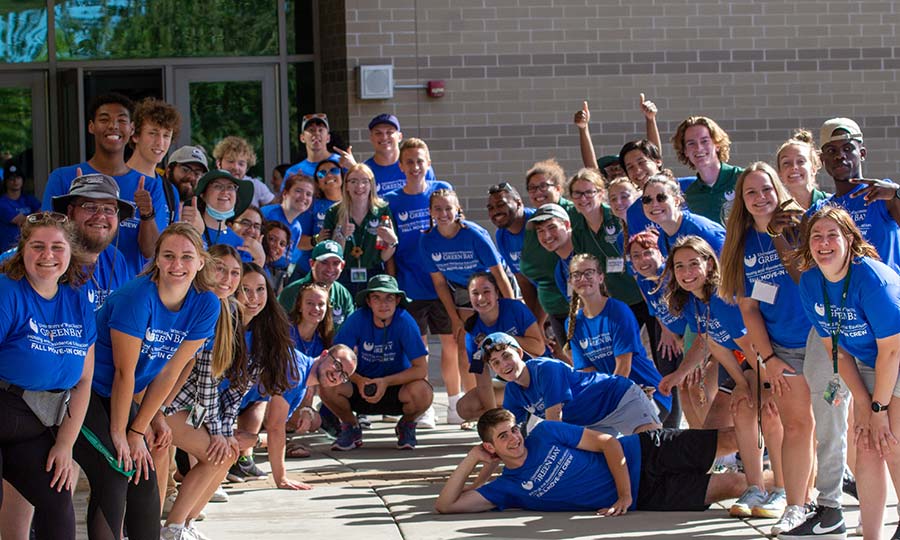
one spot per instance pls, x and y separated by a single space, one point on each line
381 283
244 197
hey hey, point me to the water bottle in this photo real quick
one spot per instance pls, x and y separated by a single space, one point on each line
380 244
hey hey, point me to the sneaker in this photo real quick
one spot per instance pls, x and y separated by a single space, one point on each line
826 523
406 435
849 485
773 507
219 496
171 532
793 516
331 424
196 532
245 470
428 420
363 421
348 438
752 496
235 474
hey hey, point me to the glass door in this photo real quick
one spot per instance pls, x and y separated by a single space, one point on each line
23 126
219 101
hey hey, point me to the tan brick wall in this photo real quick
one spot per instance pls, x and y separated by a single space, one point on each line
517 70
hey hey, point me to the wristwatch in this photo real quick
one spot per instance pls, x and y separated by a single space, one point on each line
878 407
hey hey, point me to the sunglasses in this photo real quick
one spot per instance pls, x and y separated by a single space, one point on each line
502 187
660 198
46 217
322 173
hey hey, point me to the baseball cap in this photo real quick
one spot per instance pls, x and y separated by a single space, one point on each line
491 342
606 161
385 118
11 168
827 133
545 212
326 249
93 186
189 154
321 118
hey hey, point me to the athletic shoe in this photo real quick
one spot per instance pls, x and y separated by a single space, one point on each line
453 417
773 507
428 420
826 523
794 515
406 435
752 496
196 532
245 470
170 532
849 485
331 424
219 496
363 421
347 438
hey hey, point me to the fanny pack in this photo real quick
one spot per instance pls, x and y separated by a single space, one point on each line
49 406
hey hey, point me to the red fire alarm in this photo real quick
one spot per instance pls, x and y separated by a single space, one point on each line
436 89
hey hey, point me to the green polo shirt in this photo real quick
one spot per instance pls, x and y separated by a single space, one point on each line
714 202
339 297
539 265
603 245
362 237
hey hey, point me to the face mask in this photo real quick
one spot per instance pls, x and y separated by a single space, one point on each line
219 216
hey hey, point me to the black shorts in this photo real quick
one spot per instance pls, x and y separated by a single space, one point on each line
430 315
389 404
675 468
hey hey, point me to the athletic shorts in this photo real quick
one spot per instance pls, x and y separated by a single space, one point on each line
791 357
390 402
868 376
635 409
675 468
431 316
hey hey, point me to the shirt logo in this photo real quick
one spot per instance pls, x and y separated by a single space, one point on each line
33 325
320 216
750 260
373 223
729 195
514 256
368 347
610 230
584 343
91 297
403 216
436 257
820 310
149 336
527 485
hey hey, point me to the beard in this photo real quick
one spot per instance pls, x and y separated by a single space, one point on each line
93 243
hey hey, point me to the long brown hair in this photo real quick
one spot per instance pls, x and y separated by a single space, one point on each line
325 328
205 280
675 296
858 247
229 347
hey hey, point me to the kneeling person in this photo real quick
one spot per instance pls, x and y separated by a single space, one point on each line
391 370
561 467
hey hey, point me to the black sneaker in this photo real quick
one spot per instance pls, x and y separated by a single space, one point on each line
825 524
331 424
245 470
849 485
235 474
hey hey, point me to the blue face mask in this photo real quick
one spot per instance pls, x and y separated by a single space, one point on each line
219 216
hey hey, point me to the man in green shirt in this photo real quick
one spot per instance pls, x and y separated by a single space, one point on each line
704 147
326 263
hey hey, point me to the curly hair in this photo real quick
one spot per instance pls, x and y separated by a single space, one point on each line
857 245
549 168
159 113
14 267
718 135
234 146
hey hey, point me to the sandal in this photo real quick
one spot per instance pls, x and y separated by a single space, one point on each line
469 425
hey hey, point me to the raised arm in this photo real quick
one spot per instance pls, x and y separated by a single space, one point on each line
588 155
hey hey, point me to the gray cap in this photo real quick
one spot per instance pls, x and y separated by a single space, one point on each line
546 212
849 130
93 186
189 154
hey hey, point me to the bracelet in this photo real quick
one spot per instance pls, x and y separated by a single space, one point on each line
766 359
149 216
310 410
131 429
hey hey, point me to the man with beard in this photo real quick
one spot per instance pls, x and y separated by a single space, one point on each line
509 214
186 166
110 124
327 263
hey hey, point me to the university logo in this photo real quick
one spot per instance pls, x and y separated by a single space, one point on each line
527 485
584 343
436 257
820 309
149 336
373 223
320 216
368 347
403 216
33 325
750 260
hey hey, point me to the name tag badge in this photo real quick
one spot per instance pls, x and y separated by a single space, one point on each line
764 292
615 265
358 275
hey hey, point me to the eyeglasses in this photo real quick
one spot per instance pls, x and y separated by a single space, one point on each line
660 198
190 171
334 171
647 253
589 273
582 194
502 187
247 224
103 209
544 186
46 217
224 186
339 367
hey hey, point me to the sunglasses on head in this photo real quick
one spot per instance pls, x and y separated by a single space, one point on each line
46 217
502 187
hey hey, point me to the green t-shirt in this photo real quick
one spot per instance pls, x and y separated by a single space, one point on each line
339 297
362 238
603 245
539 266
714 202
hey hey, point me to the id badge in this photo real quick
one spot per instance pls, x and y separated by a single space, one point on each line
764 292
358 275
615 265
834 392
196 416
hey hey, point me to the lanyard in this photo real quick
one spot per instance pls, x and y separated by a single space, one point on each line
836 331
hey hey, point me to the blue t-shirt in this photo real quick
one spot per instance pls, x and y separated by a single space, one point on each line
275 212
697 225
390 177
871 311
136 310
457 258
657 305
307 168
43 342
226 236
294 395
411 217
110 272
320 209
874 221
558 477
382 351
9 209
510 245
638 221
720 321
599 340
514 319
561 274
58 184
784 319
586 397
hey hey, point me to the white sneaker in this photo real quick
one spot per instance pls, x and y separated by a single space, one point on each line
171 532
427 420
794 515
752 496
219 496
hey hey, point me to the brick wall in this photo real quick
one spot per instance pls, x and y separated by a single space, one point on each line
517 70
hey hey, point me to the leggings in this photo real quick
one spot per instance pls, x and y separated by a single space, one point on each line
24 446
111 492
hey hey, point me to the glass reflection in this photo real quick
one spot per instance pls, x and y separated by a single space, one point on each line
219 109
23 31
